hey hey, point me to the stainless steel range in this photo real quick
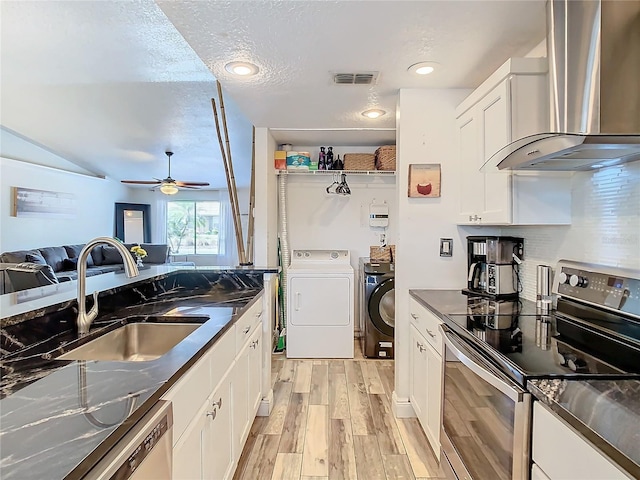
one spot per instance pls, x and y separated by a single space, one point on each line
498 345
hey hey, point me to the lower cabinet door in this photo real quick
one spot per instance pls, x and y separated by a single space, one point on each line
204 450
434 398
187 453
425 389
255 374
240 395
418 375
217 453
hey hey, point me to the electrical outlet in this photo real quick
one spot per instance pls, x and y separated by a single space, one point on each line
383 238
446 247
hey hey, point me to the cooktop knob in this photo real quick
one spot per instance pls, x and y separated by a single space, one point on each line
562 278
576 281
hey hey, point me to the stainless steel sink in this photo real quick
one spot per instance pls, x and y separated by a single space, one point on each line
134 342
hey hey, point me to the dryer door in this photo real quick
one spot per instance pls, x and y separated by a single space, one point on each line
382 306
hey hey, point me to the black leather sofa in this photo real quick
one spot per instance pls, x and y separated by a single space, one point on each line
59 264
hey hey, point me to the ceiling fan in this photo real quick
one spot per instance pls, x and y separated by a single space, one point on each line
168 185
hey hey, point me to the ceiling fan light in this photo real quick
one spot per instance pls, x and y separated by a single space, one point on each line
169 189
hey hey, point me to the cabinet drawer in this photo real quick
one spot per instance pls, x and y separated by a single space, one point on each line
222 355
247 322
189 392
427 324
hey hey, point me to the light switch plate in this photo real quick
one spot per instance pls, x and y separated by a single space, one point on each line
446 247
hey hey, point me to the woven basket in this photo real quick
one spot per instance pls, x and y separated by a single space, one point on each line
359 161
382 254
386 157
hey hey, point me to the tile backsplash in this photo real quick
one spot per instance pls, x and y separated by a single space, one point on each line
605 226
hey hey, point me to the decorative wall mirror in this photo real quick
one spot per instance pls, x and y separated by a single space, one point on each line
133 222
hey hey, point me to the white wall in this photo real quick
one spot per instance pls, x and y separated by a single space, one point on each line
319 220
426 134
95 200
266 201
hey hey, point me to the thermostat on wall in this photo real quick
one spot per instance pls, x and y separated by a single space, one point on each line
378 215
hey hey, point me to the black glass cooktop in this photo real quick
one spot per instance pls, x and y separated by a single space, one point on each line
525 344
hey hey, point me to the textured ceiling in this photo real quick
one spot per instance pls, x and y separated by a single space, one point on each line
110 85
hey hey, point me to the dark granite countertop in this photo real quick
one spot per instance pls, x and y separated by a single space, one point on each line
604 412
48 428
441 302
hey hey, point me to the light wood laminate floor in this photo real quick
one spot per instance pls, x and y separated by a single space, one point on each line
332 419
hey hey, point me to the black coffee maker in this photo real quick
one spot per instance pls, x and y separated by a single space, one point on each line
492 266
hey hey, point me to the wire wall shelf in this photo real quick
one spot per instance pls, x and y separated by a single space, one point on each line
334 172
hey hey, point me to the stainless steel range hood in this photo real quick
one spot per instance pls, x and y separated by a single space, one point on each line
593 48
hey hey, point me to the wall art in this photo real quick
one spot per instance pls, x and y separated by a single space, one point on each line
424 180
28 202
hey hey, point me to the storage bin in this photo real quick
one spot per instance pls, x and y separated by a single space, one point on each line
359 161
385 158
379 253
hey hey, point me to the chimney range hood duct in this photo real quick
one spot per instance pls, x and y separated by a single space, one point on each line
593 49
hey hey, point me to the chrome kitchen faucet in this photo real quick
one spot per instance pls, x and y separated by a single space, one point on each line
131 270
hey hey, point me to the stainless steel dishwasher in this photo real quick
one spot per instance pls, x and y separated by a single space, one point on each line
144 453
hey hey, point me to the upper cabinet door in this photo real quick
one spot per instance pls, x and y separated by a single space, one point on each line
495 125
510 104
471 179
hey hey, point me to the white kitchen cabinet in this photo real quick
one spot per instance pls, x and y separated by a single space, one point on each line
418 368
425 371
509 105
204 451
246 388
563 455
217 452
425 388
216 400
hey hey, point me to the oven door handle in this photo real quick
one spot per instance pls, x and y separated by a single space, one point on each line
463 354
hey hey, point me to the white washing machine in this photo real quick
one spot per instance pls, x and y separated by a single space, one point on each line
320 304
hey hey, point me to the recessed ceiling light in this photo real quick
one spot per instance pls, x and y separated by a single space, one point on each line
373 113
241 68
423 68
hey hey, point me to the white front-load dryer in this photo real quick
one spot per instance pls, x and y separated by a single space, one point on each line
320 304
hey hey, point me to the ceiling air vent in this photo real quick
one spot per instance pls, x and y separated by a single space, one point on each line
363 78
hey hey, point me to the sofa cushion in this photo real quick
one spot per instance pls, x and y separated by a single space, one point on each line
45 269
110 255
73 251
54 257
35 258
70 264
156 253
17 256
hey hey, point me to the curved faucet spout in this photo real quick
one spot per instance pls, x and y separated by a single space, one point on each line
131 270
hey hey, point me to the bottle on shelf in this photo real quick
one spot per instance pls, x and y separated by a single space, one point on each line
322 165
338 164
329 159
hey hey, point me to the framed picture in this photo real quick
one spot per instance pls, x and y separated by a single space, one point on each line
28 202
424 180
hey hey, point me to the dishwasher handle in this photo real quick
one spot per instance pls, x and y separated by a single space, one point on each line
471 360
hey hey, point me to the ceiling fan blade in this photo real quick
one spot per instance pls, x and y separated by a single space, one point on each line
142 182
188 186
192 184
